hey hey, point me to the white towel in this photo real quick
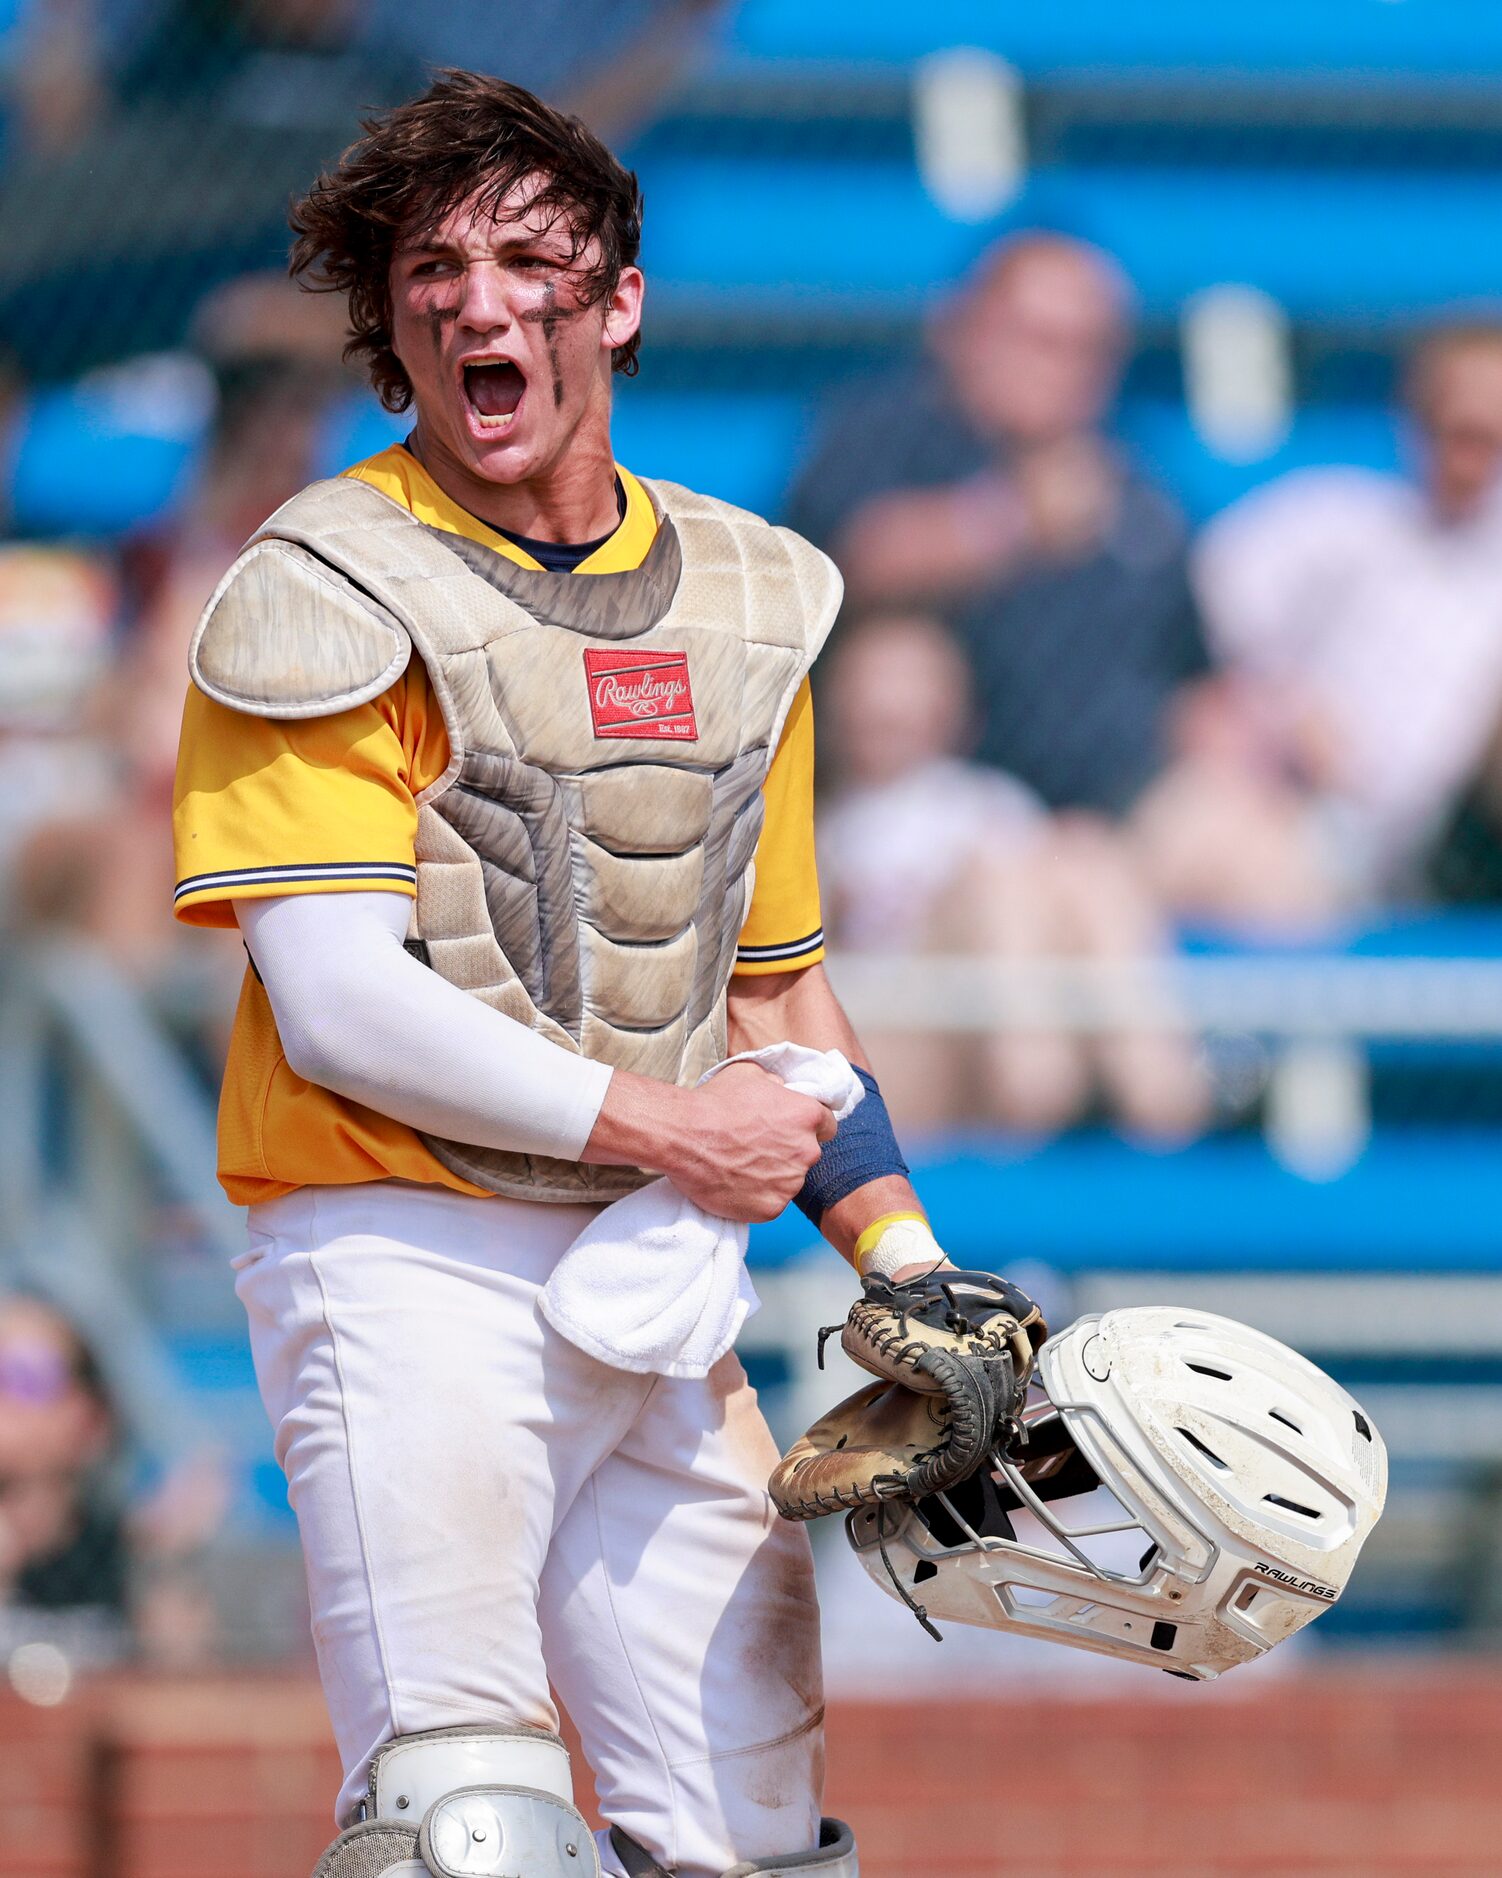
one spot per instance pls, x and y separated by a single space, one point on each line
657 1285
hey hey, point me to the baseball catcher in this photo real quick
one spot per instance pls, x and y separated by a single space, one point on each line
501 760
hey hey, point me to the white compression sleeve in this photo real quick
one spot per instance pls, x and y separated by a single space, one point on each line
359 1015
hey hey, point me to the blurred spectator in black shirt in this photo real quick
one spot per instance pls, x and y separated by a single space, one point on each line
92 1577
980 483
62 1545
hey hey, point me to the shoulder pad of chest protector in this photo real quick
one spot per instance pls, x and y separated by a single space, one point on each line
287 636
761 546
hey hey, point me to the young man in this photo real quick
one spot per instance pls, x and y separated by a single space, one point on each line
498 899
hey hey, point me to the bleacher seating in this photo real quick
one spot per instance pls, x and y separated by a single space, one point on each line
1346 159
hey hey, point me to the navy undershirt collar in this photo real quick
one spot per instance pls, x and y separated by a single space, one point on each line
562 557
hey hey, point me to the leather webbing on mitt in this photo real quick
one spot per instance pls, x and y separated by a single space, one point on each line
953 1351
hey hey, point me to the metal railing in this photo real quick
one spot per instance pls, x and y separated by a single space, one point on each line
1272 996
103 1127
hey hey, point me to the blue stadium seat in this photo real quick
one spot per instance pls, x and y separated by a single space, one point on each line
85 467
740 447
796 227
799 232
1418 1199
1441 933
357 428
1328 245
1462 37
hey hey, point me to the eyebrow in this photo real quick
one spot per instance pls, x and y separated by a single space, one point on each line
431 244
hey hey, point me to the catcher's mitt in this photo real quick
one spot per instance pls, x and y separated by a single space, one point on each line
954 1351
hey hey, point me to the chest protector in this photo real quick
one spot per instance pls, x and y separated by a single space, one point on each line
584 864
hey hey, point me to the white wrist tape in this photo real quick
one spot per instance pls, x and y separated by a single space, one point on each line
904 1242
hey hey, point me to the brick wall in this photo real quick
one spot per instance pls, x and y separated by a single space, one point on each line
1360 1772
45 1768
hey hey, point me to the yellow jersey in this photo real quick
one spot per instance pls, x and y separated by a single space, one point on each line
268 806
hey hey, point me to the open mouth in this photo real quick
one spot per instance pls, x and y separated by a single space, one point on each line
493 389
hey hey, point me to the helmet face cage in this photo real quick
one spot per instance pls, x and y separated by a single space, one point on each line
1218 1489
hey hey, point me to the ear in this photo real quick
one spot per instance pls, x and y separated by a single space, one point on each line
623 309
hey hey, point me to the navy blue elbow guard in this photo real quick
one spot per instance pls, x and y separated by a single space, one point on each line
863 1148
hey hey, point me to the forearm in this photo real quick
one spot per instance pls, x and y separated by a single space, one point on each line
925 543
790 1007
640 1124
359 1015
801 1007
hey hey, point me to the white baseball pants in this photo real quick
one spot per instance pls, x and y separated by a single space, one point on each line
485 1510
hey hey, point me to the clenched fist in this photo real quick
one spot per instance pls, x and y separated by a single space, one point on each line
739 1145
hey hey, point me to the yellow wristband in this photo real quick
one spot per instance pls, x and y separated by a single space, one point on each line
871 1236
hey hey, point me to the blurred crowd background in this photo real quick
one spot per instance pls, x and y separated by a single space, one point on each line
1142 369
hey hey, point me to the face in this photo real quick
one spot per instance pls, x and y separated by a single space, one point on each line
49 1422
1458 405
509 365
899 697
1034 348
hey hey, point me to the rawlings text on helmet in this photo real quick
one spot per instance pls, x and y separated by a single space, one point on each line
1296 1584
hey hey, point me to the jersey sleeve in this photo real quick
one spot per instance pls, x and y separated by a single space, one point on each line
784 930
267 806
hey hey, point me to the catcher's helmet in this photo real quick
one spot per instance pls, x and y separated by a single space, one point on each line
1248 1476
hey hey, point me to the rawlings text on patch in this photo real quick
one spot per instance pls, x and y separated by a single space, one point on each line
640 694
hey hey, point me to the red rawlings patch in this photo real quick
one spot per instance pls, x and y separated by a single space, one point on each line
640 694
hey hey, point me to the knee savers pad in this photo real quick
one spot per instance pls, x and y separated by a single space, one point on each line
467 1803
833 1857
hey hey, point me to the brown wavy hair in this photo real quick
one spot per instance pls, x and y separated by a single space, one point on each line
466 135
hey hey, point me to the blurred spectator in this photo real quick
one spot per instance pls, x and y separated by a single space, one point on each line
1359 617
263 448
58 606
108 873
62 1537
78 1567
56 77
923 851
980 484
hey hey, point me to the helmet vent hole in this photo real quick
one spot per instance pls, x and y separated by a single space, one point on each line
1204 1369
1287 1421
1363 1426
1209 1453
1163 1635
1291 1506
924 1570
1185 1324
